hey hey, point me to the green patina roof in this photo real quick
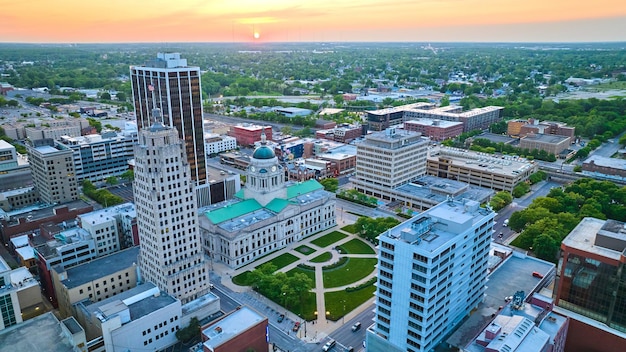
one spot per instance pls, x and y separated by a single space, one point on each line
249 205
233 210
263 152
303 188
277 205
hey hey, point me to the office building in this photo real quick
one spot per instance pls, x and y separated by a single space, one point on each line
521 128
53 172
98 156
18 198
241 330
266 215
436 130
169 84
96 280
379 120
479 169
432 272
389 159
20 296
592 280
171 248
603 168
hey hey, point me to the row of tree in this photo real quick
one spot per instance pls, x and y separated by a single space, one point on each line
546 222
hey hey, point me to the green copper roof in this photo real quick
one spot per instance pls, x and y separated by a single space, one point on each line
303 188
277 205
263 152
233 210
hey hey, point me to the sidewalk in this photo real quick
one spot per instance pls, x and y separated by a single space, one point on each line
318 329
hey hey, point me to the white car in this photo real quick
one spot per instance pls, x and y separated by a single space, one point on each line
330 344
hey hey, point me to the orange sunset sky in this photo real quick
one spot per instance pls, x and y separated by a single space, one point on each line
89 21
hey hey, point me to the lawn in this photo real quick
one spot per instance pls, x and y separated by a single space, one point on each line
282 260
324 257
356 246
309 273
354 270
306 250
341 302
329 239
242 279
350 228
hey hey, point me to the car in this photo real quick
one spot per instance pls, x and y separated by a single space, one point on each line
330 344
296 326
508 298
356 326
281 318
506 222
500 235
537 275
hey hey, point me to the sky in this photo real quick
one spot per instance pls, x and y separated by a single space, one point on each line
114 21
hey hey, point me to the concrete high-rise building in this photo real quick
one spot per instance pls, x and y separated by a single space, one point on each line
432 272
53 172
171 249
169 84
389 159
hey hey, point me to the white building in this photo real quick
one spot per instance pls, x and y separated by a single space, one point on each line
167 221
267 215
214 143
432 271
386 160
19 291
112 228
143 318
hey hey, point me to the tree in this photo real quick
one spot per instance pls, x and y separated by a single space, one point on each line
128 175
105 96
445 100
190 332
121 96
521 189
330 184
112 180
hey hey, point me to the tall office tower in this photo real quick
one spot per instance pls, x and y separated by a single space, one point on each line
432 271
167 83
388 159
53 172
171 249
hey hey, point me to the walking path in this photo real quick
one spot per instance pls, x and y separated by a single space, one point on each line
318 329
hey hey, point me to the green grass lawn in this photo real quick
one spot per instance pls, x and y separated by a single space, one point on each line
354 270
356 246
329 239
309 273
324 257
242 279
306 250
341 302
350 228
282 260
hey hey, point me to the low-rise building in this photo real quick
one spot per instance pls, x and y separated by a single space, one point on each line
55 129
215 143
14 169
18 198
140 319
436 130
44 332
24 252
96 280
604 168
20 297
550 143
247 134
479 169
241 330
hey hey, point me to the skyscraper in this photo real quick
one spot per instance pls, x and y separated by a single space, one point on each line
167 83
432 271
171 250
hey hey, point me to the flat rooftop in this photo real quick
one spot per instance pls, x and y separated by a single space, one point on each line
514 274
103 266
433 122
436 189
545 138
47 330
231 326
440 224
505 164
149 304
583 237
607 162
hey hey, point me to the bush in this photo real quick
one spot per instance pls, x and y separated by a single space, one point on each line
521 189
362 286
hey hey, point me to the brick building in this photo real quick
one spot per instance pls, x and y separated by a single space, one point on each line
436 130
247 134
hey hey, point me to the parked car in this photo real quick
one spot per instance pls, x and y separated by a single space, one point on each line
281 318
296 326
330 344
537 275
356 326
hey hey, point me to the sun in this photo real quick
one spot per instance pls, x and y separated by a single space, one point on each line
257 35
